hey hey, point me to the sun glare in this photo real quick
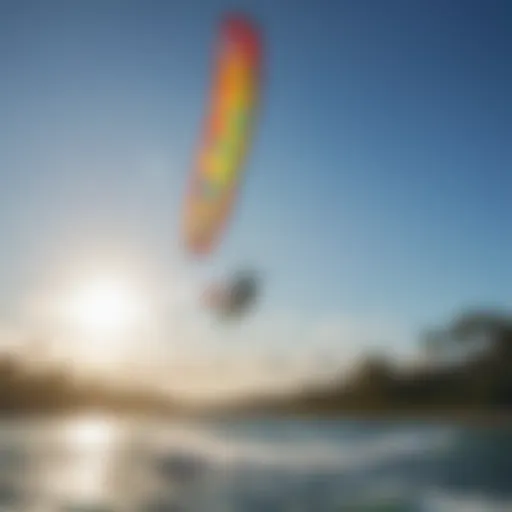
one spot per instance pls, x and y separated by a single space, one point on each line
104 308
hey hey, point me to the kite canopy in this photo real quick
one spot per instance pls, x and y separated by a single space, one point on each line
219 163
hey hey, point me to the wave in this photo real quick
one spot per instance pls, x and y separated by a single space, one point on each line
442 500
312 455
398 495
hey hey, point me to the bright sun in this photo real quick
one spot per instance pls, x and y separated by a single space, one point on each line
104 308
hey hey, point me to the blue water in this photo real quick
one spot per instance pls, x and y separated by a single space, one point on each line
103 464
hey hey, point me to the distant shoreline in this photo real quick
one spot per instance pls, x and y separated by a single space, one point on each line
476 418
463 418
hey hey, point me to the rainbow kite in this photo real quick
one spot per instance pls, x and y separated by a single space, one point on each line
218 169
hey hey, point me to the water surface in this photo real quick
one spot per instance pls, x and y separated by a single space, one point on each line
103 464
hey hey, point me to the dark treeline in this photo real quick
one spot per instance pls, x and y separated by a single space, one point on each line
467 368
55 390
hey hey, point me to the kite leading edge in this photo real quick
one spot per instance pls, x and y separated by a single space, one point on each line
225 143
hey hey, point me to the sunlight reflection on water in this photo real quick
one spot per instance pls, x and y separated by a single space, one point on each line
86 462
89 451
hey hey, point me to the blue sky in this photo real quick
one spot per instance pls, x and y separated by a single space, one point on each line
379 181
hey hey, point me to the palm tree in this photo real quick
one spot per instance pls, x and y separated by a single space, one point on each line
491 330
485 339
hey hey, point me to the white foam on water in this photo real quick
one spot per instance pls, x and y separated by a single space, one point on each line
311 455
441 500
